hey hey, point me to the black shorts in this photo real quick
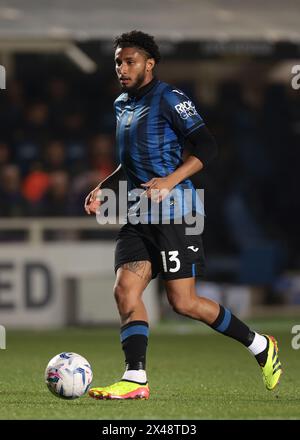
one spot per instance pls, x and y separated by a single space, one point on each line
171 252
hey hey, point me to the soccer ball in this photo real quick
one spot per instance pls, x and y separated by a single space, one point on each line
68 375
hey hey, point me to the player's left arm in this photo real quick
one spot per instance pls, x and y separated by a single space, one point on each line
204 150
201 155
184 118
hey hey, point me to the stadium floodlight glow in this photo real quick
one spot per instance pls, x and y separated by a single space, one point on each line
81 59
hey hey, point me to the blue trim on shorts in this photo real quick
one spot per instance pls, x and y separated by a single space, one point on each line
193 269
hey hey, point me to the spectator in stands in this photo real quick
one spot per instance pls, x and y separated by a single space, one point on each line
5 154
56 202
34 187
58 94
55 156
12 202
74 133
101 164
33 134
101 154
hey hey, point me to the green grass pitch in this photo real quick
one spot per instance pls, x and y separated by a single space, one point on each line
193 373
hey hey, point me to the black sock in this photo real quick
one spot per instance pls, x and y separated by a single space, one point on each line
231 326
134 339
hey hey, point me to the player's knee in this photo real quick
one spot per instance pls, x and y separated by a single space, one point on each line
181 306
125 298
121 293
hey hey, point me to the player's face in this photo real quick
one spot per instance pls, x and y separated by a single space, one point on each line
133 69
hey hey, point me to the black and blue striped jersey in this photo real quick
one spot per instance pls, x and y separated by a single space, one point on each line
151 130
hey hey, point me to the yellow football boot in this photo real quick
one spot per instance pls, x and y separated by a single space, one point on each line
121 390
272 370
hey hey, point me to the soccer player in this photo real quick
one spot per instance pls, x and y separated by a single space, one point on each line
153 121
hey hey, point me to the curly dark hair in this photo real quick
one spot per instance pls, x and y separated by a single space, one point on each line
140 40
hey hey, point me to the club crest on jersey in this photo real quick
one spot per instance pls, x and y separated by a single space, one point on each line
186 109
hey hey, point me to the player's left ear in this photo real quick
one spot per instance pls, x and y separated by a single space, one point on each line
150 64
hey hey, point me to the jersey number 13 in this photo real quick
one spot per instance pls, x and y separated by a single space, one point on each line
172 257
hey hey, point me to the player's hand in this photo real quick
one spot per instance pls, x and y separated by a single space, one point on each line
157 188
92 201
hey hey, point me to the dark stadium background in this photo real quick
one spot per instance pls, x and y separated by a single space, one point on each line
57 142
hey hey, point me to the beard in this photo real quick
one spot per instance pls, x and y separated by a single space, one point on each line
136 85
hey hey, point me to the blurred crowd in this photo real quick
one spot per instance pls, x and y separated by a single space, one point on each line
53 150
58 142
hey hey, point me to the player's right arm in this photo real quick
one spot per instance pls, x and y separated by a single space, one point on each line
92 202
